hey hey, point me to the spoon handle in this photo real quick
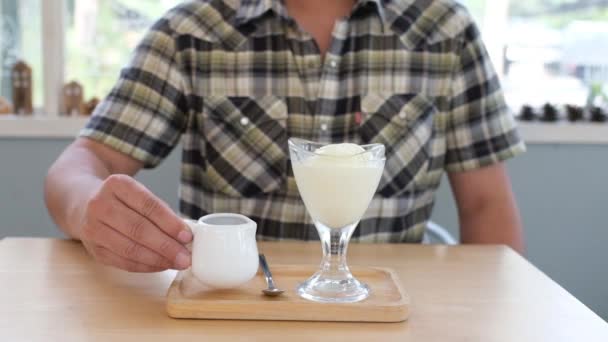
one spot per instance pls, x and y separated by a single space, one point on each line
266 270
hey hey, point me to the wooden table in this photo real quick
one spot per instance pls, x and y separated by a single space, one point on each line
52 291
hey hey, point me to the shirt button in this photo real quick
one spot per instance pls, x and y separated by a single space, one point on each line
324 127
244 121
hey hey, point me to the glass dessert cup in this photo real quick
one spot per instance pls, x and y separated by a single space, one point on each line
337 190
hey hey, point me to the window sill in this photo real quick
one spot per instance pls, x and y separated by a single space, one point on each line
564 133
40 127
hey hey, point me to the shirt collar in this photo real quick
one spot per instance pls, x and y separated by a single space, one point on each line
249 10
379 5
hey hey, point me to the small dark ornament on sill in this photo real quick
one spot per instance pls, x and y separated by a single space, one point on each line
527 114
73 95
89 107
550 113
575 113
598 115
21 79
5 106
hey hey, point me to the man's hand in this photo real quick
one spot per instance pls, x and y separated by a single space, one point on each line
126 226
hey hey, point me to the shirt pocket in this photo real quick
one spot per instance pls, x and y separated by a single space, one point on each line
404 124
245 144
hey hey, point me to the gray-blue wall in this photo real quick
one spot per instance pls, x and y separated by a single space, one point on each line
561 190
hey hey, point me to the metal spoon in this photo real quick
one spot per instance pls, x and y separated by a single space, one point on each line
272 290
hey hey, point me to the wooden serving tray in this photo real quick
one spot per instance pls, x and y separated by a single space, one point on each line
188 298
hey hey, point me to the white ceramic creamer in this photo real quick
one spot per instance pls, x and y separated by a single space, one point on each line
224 250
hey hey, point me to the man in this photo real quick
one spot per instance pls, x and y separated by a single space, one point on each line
234 80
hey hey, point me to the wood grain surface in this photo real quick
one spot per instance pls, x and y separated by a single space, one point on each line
188 298
52 291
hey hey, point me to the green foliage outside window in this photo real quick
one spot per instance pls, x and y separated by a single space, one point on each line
99 46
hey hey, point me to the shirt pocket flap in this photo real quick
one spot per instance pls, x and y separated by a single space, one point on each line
401 110
246 112
245 144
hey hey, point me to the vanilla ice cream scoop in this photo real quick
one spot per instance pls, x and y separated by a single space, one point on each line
340 150
337 183
345 150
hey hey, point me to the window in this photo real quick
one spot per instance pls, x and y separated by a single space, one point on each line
20 28
100 36
546 50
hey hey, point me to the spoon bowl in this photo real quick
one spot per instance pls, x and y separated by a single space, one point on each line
272 290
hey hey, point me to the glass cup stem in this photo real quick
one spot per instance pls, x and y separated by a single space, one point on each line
335 245
334 282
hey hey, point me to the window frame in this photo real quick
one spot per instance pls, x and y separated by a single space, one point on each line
52 14
53 58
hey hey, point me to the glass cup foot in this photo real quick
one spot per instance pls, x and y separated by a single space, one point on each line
327 290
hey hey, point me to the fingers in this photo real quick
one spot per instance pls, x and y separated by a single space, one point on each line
138 228
144 202
107 257
134 228
113 241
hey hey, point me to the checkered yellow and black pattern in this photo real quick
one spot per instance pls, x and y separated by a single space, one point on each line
233 80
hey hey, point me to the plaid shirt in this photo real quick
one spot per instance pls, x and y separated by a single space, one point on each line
234 81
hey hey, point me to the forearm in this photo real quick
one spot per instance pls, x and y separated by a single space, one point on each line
493 222
70 183
486 207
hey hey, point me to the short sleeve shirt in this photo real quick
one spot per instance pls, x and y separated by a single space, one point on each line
231 81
